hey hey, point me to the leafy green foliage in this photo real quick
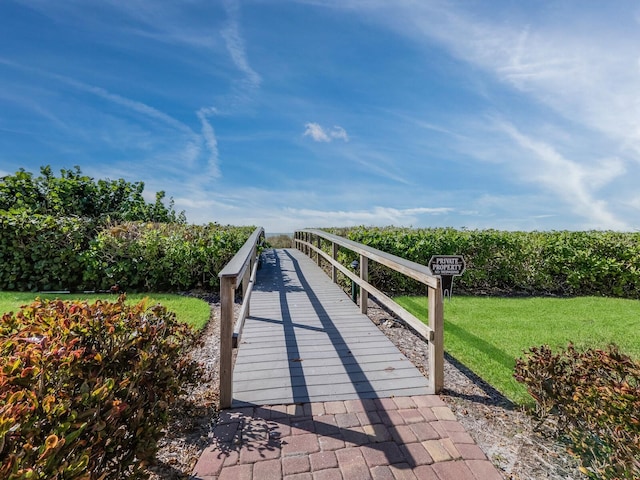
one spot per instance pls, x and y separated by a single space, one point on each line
85 388
41 252
513 263
162 257
595 398
75 194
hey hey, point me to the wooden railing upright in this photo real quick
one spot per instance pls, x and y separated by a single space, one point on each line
241 270
310 242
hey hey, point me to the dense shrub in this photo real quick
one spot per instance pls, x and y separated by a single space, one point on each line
85 388
594 396
162 257
41 252
508 263
76 195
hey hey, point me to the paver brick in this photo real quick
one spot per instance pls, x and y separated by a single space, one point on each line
210 463
403 434
233 458
267 470
369 417
470 452
279 411
331 443
377 433
335 407
385 453
416 454
297 464
483 470
237 472
402 471
385 404
352 464
297 476
323 460
347 420
456 470
304 425
279 428
443 413
329 474
437 450
451 425
461 437
225 432
451 448
326 425
427 413
425 472
252 452
404 402
297 410
411 415
355 406
383 472
354 437
391 417
317 408
300 445
424 431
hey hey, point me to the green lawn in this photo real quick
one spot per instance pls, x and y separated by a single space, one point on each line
190 310
487 334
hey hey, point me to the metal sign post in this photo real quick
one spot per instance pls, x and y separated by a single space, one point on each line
447 267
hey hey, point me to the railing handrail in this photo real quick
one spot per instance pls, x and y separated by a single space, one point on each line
433 333
241 268
409 268
238 264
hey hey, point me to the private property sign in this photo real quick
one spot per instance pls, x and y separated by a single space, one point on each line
447 266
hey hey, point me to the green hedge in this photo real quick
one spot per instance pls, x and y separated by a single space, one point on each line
42 252
162 257
513 263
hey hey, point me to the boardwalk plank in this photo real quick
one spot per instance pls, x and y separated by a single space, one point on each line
306 341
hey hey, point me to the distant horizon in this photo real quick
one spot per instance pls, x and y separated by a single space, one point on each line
504 115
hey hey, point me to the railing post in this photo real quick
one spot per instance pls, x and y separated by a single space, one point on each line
319 245
436 344
227 291
364 275
247 276
334 255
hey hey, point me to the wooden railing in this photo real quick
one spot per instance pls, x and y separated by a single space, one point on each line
241 270
311 242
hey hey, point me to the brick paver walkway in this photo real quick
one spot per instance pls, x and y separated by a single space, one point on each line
369 439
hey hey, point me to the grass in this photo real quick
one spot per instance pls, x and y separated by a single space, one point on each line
487 334
190 310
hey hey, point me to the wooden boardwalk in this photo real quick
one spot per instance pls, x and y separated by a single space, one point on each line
306 341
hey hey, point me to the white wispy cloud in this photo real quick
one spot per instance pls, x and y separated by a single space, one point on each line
236 45
374 216
575 183
209 135
320 134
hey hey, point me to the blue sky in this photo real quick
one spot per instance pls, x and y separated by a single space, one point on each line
310 113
